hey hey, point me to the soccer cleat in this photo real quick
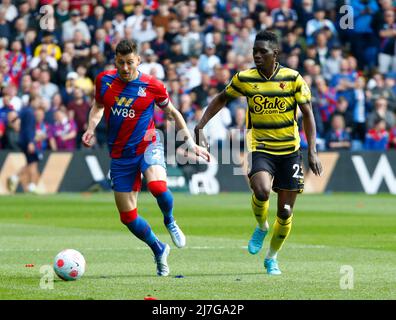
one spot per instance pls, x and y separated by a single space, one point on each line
256 241
272 267
162 263
178 237
12 183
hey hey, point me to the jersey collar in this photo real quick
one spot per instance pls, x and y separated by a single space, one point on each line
273 75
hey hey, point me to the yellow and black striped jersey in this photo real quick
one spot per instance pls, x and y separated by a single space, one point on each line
272 107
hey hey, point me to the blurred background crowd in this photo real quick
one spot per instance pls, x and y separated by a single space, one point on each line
51 52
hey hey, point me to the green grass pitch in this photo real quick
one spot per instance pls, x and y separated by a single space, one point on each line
329 232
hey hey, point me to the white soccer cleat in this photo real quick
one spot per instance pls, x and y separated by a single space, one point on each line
178 237
162 262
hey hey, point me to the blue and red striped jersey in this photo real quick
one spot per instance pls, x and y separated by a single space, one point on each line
129 111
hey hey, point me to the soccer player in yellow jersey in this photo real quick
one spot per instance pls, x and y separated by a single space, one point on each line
273 93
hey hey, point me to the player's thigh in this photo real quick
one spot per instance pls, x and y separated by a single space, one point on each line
260 183
125 201
262 170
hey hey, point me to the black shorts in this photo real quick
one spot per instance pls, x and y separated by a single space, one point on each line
32 157
286 169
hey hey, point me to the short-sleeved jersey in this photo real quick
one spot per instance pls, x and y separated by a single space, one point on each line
129 111
272 108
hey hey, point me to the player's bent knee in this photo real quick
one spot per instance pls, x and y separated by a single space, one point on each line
128 216
261 194
284 213
157 187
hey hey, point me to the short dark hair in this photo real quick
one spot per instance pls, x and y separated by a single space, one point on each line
126 47
264 35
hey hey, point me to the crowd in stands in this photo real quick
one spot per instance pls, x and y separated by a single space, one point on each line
52 50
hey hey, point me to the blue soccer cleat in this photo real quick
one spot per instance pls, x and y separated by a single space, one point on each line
162 263
256 241
178 237
272 267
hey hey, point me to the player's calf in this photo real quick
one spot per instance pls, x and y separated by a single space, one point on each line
164 198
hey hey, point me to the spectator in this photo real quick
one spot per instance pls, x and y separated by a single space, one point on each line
318 23
20 26
237 130
145 33
325 101
62 13
44 60
17 62
284 18
53 50
42 133
75 23
387 55
10 10
359 109
377 138
64 132
163 16
392 138
78 110
332 65
208 60
242 44
217 128
10 99
193 75
381 112
380 90
159 45
13 127
83 81
5 26
363 40
338 137
29 174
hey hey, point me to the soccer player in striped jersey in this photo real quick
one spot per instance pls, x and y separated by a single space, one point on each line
273 93
127 98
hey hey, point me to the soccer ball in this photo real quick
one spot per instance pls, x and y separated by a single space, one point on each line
69 264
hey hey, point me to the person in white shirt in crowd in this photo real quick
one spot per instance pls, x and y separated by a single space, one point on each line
135 20
146 33
47 88
193 75
151 66
208 60
216 129
75 23
11 11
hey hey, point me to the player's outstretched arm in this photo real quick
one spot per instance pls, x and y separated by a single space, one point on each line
95 115
214 106
173 113
310 132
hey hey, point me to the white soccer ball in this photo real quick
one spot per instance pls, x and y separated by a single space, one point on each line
69 264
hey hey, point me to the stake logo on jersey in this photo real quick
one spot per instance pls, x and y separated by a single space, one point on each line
268 105
129 110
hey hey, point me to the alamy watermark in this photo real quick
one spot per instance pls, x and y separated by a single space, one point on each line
347 277
47 279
